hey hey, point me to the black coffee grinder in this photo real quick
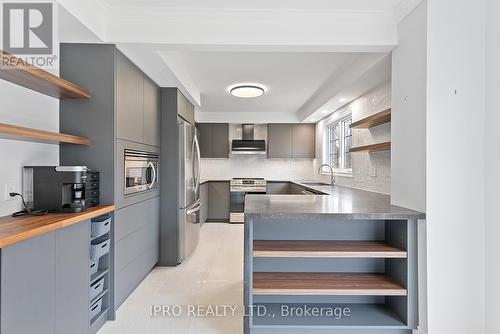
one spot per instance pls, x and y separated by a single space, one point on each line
55 188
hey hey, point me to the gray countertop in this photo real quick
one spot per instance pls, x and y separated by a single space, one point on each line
338 201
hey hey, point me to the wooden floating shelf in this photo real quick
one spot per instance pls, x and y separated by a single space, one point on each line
21 133
15 70
331 284
325 249
373 120
372 148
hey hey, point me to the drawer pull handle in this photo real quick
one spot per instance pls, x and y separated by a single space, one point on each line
95 306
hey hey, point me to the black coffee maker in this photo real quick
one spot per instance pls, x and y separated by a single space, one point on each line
55 188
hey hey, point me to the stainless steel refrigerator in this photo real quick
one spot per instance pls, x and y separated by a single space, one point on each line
189 190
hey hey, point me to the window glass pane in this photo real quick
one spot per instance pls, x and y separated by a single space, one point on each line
348 163
347 127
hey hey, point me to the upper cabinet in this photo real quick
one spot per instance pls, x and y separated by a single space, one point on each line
304 141
214 140
184 108
291 141
279 140
151 112
137 103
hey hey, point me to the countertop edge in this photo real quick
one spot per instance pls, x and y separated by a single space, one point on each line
65 221
357 215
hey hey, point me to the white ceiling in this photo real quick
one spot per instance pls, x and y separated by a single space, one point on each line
290 78
306 52
262 4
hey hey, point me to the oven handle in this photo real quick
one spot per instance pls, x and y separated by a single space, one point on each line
150 164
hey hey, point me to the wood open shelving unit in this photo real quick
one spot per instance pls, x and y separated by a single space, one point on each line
17 71
373 120
331 284
372 147
325 249
21 133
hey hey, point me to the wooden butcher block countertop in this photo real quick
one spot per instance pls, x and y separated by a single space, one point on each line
16 229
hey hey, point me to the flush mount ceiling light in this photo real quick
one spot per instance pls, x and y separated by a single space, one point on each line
247 91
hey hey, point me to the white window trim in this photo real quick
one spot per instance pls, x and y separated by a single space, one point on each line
335 118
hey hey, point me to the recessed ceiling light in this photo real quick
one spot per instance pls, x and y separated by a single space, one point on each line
343 99
247 91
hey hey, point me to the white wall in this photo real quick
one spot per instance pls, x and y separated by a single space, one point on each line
255 165
23 107
492 148
408 163
409 64
370 171
455 150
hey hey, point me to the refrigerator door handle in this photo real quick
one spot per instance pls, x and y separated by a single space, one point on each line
194 208
198 158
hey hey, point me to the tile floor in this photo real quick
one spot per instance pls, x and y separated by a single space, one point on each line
213 275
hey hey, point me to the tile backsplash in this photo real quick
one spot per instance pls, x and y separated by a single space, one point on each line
255 165
370 171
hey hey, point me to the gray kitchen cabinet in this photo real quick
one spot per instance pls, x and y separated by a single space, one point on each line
72 278
205 136
184 108
137 245
291 141
151 112
304 141
296 189
28 289
279 141
214 140
218 201
204 202
278 187
220 140
129 90
45 283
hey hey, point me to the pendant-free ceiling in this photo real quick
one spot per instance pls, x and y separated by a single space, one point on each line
247 91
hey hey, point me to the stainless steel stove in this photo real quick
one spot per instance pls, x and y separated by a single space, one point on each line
239 187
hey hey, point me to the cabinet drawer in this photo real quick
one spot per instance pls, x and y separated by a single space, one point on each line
131 246
132 218
127 279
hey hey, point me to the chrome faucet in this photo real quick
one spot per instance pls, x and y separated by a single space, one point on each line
332 175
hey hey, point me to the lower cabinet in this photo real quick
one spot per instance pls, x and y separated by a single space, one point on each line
278 188
218 201
28 291
137 245
72 278
46 283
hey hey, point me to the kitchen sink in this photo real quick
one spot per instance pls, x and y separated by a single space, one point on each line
314 184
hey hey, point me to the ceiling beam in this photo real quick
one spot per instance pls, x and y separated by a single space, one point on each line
331 30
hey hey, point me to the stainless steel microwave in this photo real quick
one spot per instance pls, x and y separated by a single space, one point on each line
141 171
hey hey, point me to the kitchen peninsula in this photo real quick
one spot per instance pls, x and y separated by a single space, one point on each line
349 250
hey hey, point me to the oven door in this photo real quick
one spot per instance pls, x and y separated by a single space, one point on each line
141 171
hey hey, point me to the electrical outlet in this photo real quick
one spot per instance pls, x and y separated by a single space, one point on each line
9 188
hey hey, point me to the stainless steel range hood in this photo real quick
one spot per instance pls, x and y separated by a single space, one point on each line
248 145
